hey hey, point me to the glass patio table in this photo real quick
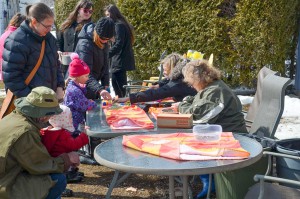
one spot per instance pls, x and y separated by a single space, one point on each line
114 155
98 127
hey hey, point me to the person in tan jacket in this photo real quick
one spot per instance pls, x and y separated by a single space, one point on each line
27 170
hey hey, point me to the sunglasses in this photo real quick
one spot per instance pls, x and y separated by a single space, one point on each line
85 10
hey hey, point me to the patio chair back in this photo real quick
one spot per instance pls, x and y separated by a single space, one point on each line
271 106
251 113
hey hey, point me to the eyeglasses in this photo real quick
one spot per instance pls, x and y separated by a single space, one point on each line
85 10
47 27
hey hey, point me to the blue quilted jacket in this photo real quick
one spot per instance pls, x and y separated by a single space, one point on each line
21 52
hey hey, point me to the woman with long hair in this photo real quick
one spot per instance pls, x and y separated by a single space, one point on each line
67 37
121 52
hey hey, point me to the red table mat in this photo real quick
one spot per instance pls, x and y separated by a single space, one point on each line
127 117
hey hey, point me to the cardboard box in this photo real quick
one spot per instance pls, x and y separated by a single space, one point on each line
165 120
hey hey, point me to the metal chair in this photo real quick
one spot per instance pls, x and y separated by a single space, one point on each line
267 190
236 183
271 106
251 113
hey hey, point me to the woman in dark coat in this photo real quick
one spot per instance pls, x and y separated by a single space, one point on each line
22 50
171 86
121 52
93 50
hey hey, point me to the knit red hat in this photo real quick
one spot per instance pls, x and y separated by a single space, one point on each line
77 67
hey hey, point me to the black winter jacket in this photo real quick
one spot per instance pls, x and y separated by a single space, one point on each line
67 40
95 58
174 88
121 52
21 52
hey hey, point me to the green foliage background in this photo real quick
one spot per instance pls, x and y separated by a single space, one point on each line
243 35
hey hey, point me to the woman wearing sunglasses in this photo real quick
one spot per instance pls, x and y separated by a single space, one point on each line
67 37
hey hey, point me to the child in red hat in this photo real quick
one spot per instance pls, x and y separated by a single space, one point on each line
75 93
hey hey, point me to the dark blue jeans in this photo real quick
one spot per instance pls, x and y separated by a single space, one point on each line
61 183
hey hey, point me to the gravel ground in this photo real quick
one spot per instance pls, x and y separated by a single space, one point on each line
97 179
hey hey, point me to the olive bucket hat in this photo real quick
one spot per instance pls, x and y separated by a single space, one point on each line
39 103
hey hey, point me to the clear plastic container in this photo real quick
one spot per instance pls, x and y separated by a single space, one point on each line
207 132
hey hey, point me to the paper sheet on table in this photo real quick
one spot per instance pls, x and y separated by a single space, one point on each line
127 117
184 146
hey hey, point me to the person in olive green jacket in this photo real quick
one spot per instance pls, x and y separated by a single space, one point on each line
27 170
215 103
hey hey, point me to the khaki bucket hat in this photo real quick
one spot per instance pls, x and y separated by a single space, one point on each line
39 103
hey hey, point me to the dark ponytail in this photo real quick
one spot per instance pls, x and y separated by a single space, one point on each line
39 11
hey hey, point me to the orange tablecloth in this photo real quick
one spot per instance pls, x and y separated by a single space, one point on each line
127 117
183 146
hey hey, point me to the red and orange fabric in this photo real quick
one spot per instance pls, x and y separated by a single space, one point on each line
184 146
127 117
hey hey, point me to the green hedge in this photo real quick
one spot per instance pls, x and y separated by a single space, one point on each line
244 35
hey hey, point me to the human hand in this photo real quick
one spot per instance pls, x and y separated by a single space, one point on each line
105 94
59 55
74 158
59 94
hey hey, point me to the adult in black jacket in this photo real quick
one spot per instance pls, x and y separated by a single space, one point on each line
22 50
93 50
67 37
121 52
171 86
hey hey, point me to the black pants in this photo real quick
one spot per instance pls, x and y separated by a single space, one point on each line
118 80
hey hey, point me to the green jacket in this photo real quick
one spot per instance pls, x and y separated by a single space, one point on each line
216 104
24 161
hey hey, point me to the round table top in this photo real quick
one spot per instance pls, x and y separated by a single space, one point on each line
114 155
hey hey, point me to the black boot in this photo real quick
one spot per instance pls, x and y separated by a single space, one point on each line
73 177
67 193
